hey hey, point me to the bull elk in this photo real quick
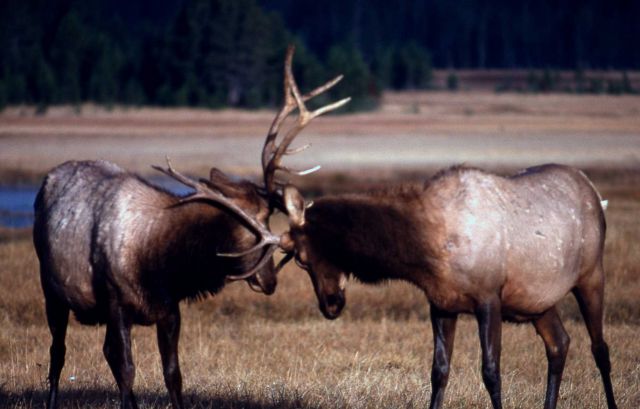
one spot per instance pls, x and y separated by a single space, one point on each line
501 248
117 250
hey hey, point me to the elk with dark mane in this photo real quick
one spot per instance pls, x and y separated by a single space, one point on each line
117 250
501 248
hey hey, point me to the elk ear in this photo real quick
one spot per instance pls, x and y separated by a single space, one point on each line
294 203
223 183
217 176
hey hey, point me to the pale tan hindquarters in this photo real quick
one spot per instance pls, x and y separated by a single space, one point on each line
530 237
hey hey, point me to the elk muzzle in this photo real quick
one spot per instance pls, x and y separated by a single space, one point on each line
263 282
331 305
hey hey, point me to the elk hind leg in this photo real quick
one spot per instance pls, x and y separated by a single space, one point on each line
590 296
58 319
556 342
117 351
168 332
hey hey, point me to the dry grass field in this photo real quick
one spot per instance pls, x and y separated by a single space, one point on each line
240 349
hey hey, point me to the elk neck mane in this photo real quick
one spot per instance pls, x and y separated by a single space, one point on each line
374 236
187 245
175 247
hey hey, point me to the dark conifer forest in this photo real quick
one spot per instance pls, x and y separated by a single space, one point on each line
217 53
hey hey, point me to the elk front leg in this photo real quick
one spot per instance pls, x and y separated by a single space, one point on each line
556 342
168 330
117 351
489 317
444 330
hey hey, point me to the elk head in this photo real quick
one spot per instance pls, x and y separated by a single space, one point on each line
247 202
250 197
328 281
286 198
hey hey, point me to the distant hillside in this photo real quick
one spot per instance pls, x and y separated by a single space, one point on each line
591 81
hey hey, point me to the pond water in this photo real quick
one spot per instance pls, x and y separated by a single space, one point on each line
16 202
16 205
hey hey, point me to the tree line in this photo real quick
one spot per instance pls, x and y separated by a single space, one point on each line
530 34
218 53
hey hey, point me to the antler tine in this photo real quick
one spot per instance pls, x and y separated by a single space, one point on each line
300 172
175 175
264 259
290 104
203 193
304 116
293 87
322 88
287 257
330 107
287 107
297 150
272 153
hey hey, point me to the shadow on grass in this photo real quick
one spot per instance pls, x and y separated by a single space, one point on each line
108 398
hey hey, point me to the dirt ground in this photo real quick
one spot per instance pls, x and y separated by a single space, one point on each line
410 131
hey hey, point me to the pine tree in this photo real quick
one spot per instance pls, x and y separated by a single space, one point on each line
358 82
67 51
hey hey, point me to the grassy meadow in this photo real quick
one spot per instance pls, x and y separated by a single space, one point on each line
244 350
241 349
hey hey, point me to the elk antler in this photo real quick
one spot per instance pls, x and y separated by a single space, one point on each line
204 193
272 153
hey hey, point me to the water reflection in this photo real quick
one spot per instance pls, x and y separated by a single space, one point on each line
16 202
16 205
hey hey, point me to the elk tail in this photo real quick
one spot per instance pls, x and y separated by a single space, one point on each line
603 202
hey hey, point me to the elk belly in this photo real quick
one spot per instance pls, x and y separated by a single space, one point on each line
540 270
73 283
532 298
